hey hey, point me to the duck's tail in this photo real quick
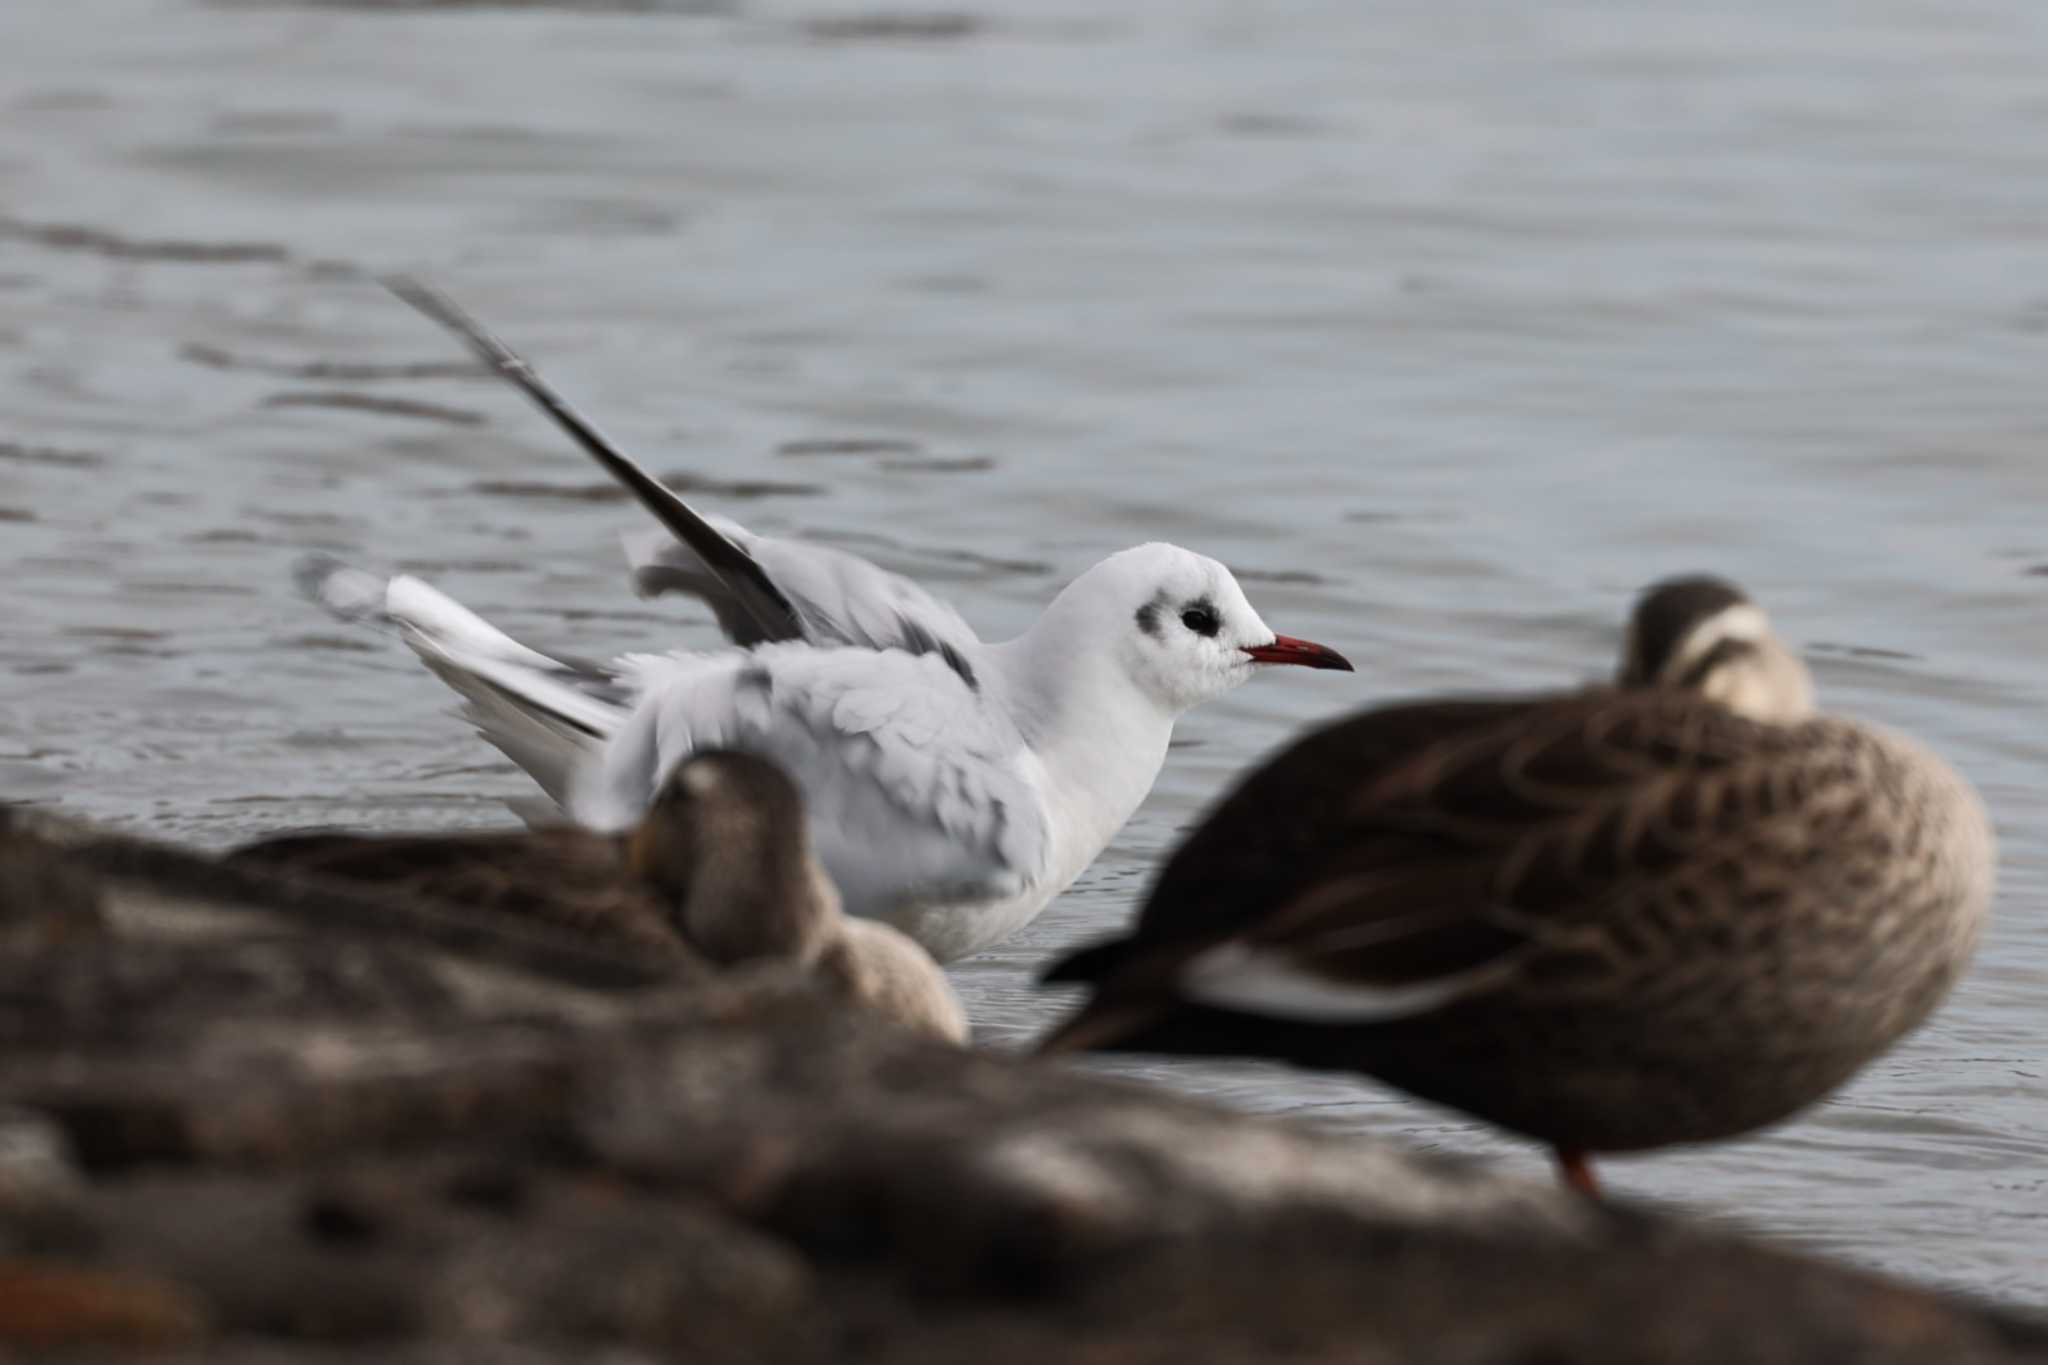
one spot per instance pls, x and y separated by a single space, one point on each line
1107 1022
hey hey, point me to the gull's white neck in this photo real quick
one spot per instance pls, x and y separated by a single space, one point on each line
1099 739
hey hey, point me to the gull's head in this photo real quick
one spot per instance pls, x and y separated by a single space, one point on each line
1178 625
1704 634
724 844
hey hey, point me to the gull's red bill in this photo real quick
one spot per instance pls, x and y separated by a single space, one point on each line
1285 649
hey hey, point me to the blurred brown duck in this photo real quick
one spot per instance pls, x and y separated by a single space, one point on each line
1671 910
720 866
43 900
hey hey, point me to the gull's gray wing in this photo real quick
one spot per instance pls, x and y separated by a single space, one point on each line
839 598
742 579
761 589
916 789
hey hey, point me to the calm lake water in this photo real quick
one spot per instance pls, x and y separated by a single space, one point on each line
1448 323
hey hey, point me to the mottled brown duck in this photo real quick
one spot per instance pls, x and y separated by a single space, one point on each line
43 900
720 867
1670 910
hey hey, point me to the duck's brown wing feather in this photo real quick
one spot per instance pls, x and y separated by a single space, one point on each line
567 877
1420 843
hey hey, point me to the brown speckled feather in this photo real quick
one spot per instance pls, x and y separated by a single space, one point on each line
1420 827
569 878
1296 822
1650 919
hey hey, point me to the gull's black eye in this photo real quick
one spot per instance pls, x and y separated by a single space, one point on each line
1201 619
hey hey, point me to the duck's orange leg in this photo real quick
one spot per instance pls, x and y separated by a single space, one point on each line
1575 1168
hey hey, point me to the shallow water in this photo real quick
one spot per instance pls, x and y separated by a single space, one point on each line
1449 322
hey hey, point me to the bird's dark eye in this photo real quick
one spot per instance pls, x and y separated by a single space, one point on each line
1201 619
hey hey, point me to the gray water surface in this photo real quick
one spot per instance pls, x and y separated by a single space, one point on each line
1447 322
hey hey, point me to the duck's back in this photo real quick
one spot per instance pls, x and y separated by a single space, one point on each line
1610 920
567 877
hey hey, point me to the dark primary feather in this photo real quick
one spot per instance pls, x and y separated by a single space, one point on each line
744 581
703 562
567 877
682 571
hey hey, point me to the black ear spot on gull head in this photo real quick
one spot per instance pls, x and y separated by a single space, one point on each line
1148 615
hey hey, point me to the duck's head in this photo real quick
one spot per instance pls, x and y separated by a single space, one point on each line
1705 634
724 844
1176 624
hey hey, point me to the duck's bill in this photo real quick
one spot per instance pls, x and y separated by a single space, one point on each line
1285 649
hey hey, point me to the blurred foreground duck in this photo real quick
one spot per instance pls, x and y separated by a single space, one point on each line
1672 910
42 901
720 865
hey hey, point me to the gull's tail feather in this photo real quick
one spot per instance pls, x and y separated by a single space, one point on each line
346 592
548 715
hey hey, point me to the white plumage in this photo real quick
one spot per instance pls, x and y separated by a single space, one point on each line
953 787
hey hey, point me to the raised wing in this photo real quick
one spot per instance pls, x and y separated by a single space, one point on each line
839 598
917 791
752 593
761 589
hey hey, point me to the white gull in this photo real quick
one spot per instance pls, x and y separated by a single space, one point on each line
954 787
